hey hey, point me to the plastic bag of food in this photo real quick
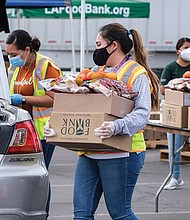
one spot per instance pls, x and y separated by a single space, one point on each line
60 84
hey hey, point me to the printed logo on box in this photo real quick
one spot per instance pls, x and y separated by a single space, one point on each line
75 126
171 115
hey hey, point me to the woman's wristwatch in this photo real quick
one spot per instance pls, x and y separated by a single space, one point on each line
23 99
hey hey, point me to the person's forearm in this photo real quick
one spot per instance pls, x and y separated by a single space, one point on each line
40 101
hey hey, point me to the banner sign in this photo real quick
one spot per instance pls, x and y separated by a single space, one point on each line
36 3
93 9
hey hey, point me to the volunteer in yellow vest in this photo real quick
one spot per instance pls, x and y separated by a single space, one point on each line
27 68
115 174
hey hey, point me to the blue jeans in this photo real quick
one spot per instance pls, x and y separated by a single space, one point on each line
48 150
115 178
178 143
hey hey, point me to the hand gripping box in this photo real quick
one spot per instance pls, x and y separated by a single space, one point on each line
75 116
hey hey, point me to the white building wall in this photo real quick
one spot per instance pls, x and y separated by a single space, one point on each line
168 22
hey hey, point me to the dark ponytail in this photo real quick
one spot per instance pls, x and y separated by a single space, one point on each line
22 39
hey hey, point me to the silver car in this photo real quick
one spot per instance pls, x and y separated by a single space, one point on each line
23 175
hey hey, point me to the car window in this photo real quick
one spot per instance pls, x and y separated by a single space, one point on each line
4 86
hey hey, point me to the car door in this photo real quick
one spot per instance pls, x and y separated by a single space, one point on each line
4 91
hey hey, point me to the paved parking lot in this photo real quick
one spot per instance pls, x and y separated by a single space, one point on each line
173 205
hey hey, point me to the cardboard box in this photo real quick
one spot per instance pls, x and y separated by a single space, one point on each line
175 97
175 115
97 103
75 131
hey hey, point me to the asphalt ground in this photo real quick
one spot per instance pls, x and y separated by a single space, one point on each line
173 204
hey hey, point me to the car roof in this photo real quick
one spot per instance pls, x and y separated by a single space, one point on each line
4 86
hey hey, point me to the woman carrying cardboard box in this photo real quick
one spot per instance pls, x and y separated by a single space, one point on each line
115 174
176 69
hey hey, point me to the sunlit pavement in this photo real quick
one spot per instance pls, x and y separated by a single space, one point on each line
173 205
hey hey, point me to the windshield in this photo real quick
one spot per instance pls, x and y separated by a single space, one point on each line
4 86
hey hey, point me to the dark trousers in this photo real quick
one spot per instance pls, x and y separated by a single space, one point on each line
48 150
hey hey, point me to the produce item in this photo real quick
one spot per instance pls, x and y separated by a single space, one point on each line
111 75
82 76
101 74
87 74
85 71
80 79
91 75
186 74
96 75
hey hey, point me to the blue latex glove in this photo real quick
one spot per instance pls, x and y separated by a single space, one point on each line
16 99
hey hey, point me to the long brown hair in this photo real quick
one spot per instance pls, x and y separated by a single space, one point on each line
117 32
141 56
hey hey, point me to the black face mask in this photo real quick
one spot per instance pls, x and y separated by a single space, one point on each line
100 56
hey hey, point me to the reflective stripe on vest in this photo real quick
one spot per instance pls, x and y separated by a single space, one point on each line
134 75
11 71
126 68
128 74
41 114
12 75
38 73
